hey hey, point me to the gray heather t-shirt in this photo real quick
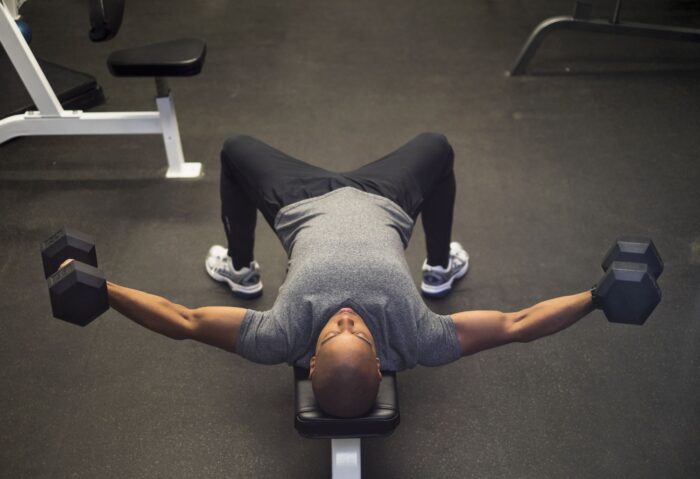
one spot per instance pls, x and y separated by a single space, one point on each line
345 248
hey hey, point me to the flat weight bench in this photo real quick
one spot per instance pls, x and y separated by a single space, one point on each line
177 58
345 434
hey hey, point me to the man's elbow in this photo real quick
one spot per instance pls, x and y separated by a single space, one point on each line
517 326
192 324
184 324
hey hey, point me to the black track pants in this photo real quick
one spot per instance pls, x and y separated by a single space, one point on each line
418 176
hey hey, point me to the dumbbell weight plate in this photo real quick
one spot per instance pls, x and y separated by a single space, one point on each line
78 293
635 250
628 292
64 244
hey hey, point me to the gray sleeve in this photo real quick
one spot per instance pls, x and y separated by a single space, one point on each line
261 339
437 340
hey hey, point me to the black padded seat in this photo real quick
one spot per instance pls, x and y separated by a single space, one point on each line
309 421
176 58
75 90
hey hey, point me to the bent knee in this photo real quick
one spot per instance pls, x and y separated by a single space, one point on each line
438 143
433 137
237 147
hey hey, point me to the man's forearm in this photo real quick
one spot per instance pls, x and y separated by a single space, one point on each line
150 311
553 315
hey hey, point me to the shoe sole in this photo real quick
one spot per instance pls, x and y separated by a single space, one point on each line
444 289
246 292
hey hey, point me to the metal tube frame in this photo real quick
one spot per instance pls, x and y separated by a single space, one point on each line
52 119
13 7
580 22
346 458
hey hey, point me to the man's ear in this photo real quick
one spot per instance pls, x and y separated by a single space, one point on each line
379 369
312 366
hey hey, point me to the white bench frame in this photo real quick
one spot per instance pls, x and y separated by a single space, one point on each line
52 119
346 455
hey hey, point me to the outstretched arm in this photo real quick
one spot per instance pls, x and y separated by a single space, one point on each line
480 330
217 325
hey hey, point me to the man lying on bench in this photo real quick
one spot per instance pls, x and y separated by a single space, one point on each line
348 307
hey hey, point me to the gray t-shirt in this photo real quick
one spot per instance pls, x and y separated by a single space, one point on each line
346 248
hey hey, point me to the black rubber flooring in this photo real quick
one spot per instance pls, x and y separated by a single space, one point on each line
599 141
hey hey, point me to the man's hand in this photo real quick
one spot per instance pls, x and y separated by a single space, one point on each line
480 330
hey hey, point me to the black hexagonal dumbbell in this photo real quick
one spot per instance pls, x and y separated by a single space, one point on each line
628 291
78 291
64 244
632 249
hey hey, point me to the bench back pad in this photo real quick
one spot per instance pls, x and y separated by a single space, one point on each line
310 421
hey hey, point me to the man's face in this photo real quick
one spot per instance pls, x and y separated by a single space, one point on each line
345 325
345 330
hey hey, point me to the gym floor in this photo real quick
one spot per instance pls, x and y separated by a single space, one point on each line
599 141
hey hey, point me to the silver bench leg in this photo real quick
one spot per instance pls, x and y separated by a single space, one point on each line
347 461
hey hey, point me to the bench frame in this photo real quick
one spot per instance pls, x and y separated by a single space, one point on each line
52 119
346 458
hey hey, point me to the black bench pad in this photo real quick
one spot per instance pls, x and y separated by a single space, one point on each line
309 421
176 58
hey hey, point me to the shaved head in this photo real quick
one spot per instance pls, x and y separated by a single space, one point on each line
345 371
345 379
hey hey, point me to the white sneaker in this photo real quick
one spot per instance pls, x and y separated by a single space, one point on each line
245 283
437 281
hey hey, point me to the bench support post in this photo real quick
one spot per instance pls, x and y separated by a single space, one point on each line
347 460
177 167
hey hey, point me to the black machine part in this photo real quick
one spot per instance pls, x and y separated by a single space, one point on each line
105 19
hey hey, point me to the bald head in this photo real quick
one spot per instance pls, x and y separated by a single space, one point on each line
345 377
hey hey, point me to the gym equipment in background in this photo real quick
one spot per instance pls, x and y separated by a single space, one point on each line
25 29
184 57
581 21
74 90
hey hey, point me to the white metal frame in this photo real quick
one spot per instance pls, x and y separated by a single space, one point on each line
52 119
346 458
13 6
